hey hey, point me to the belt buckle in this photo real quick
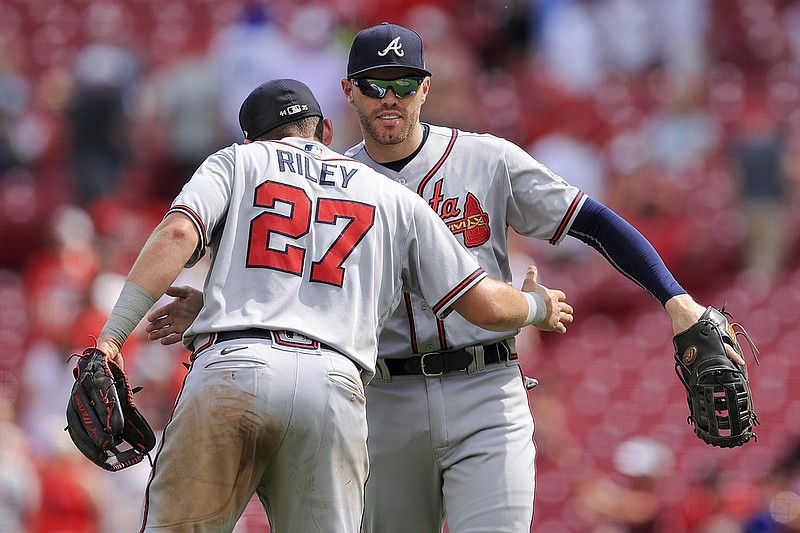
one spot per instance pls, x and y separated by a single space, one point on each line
422 366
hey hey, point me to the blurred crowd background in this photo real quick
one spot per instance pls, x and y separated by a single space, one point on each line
682 115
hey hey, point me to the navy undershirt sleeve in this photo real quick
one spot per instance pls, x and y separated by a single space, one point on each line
625 248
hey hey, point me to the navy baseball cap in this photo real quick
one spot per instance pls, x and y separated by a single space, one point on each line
274 103
384 46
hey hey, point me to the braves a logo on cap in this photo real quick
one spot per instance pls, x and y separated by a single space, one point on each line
395 46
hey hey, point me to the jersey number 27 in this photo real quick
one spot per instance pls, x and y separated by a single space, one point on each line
327 269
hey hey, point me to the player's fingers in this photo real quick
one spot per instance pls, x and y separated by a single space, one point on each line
158 312
555 294
182 291
530 284
166 335
157 324
117 358
171 339
157 334
733 356
533 273
554 322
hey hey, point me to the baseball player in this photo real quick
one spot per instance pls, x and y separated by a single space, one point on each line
458 445
310 253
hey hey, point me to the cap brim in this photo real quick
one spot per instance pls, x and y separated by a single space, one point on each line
421 72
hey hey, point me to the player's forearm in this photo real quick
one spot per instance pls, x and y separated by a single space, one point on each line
625 248
159 263
496 306
493 305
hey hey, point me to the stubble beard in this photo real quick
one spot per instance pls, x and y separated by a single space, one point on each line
388 136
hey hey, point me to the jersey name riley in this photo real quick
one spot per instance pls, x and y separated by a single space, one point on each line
300 164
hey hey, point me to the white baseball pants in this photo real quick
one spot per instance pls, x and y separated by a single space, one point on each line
288 425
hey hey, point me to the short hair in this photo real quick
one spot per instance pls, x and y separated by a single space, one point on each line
304 127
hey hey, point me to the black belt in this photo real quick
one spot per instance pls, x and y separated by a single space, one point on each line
258 333
438 363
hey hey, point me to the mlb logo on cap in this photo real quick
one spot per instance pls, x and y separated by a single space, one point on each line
293 110
385 46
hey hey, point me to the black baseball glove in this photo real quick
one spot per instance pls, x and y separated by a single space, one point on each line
717 389
102 419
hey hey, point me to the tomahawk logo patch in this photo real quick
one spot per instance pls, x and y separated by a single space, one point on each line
474 224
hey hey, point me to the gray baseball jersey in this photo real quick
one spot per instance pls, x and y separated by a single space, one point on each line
480 185
253 206
460 444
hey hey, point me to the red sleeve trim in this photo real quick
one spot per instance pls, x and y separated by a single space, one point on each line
567 217
444 302
188 211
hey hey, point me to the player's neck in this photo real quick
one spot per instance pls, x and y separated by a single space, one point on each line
387 153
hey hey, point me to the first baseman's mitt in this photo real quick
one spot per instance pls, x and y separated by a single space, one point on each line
718 390
101 415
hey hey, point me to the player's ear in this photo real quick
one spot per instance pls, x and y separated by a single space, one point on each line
425 87
347 88
327 131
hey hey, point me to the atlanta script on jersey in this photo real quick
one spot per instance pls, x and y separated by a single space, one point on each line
463 177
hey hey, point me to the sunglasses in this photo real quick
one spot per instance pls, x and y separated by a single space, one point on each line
377 88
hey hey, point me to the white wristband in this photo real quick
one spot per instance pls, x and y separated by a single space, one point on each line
537 309
132 304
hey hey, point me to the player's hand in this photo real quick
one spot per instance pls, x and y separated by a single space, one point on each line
112 349
559 312
168 322
684 312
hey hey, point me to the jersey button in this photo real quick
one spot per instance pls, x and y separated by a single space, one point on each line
424 307
402 181
429 347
